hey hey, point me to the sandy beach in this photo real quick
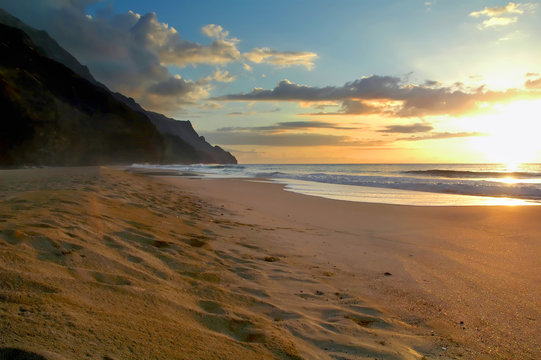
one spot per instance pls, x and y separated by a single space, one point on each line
101 263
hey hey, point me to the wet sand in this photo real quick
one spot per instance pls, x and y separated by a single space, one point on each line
99 263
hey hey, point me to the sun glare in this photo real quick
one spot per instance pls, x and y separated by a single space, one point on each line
512 134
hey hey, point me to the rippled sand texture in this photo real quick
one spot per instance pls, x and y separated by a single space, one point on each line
99 263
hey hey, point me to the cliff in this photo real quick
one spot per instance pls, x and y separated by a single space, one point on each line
56 113
52 116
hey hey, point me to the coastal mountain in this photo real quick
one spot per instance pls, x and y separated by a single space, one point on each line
56 113
182 129
52 116
48 46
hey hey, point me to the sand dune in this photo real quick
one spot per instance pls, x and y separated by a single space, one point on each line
99 263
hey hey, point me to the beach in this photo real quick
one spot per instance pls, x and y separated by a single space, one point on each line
103 263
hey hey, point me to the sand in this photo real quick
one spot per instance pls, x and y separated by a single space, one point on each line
100 263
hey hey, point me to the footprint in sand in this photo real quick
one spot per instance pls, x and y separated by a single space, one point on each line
12 237
363 318
110 279
136 236
235 328
211 307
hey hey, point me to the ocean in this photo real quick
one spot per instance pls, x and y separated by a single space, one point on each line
404 184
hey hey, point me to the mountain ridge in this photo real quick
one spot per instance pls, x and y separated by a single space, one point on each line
170 140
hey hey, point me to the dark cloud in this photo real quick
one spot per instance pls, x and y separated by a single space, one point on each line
358 107
386 95
421 101
253 112
407 129
174 86
261 139
290 133
290 125
286 91
129 52
432 83
373 87
123 51
350 107
442 135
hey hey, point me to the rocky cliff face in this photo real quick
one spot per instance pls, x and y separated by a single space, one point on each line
52 116
47 46
183 130
56 113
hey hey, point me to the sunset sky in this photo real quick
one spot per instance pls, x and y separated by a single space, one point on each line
315 81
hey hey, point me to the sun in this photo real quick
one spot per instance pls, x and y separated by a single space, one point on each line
512 135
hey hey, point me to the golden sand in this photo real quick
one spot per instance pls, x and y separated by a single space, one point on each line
100 263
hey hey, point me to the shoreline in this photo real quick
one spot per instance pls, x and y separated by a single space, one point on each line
356 193
173 267
441 276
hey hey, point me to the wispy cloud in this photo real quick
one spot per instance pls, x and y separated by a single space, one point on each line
407 129
253 112
503 15
281 59
222 76
293 140
292 125
441 135
291 133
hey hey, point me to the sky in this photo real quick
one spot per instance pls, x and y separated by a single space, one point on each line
313 81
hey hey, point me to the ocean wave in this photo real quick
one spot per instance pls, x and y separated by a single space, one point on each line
272 174
224 166
477 182
474 174
444 186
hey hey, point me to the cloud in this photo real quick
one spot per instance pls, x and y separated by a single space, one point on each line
172 49
215 31
297 140
372 87
211 105
290 133
503 15
296 133
385 95
131 52
510 8
442 135
281 59
174 93
355 107
290 125
223 76
178 87
498 21
407 129
253 112
534 84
